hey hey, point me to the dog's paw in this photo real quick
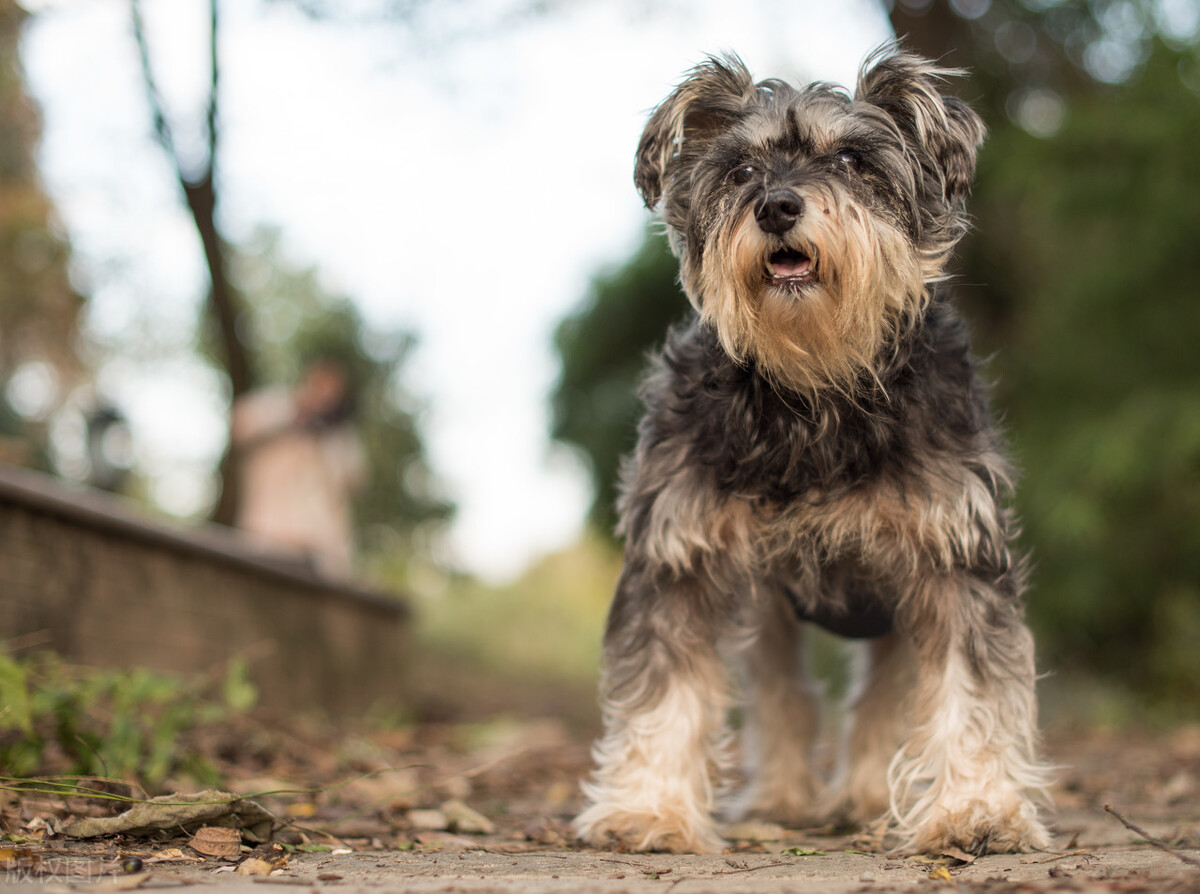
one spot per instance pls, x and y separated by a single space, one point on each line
858 799
794 805
979 827
661 830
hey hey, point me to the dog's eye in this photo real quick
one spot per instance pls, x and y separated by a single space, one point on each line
744 174
850 159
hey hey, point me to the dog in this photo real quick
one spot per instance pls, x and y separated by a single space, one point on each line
817 448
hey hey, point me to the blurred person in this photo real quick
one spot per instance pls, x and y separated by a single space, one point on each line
301 463
109 447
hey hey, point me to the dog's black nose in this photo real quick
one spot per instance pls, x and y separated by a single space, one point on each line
779 211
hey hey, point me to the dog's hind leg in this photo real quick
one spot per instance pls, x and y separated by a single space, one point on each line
780 720
875 725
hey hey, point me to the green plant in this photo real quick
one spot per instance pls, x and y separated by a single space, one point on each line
128 724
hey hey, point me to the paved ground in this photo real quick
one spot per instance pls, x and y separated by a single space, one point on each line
375 834
1105 863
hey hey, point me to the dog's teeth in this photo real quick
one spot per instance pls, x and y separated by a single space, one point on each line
789 264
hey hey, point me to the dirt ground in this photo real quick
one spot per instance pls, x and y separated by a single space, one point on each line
486 806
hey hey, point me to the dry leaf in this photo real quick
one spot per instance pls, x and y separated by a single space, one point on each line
941 874
466 820
217 841
958 854
254 866
926 860
173 812
122 882
14 857
172 855
428 820
444 841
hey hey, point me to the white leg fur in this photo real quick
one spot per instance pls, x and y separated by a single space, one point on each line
967 776
781 721
653 789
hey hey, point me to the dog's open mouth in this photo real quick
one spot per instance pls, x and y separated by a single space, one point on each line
788 267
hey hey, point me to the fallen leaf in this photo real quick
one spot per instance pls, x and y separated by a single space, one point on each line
925 860
393 789
428 820
801 852
940 874
172 855
254 866
959 854
444 841
466 820
217 841
187 812
39 827
13 857
122 882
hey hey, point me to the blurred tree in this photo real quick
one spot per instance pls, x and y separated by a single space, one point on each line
39 309
1088 243
300 322
603 348
400 497
197 179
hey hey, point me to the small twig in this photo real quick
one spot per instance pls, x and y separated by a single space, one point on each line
1075 853
532 850
1191 861
736 871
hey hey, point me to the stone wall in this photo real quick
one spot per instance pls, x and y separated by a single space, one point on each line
101 583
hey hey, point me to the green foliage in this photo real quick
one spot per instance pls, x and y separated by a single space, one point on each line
603 347
123 724
39 309
1087 245
546 625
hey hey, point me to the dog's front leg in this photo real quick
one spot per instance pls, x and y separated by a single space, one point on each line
968 775
664 697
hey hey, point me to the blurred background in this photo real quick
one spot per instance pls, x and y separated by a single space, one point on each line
199 201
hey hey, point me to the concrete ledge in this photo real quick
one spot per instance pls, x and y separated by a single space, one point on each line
102 582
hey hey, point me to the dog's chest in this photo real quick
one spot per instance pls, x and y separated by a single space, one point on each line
762 447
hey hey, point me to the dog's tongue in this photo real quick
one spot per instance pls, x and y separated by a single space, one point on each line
786 264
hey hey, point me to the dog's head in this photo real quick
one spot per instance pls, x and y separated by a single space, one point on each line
809 224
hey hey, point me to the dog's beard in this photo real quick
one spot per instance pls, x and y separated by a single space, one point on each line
816 306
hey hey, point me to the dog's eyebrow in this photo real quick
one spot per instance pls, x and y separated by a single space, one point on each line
798 135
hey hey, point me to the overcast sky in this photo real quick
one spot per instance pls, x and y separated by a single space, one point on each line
464 189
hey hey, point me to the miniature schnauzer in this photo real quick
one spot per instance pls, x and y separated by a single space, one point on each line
817 448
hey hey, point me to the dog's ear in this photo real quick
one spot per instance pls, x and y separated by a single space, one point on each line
944 130
714 93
